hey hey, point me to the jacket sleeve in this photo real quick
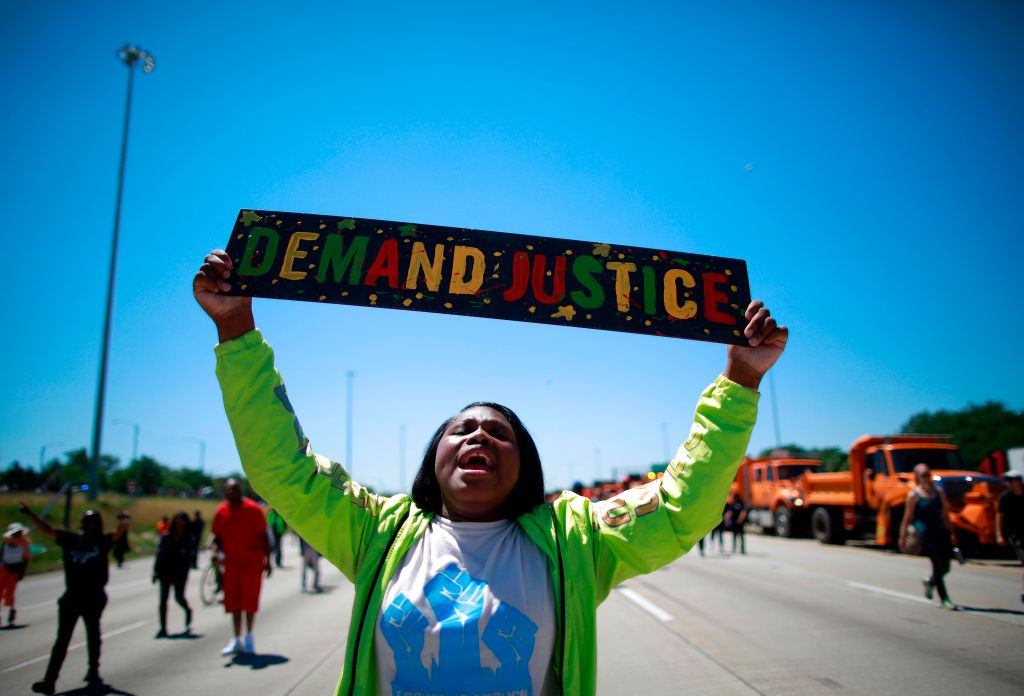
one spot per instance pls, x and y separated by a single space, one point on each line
647 527
337 516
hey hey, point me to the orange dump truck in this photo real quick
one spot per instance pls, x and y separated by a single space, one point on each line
868 499
770 486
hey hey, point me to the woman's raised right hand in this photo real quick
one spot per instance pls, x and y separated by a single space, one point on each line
231 313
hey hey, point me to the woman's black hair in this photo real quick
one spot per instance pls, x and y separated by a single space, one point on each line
528 492
186 529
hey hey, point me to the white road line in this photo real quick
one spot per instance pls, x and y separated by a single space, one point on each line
889 593
104 636
109 588
648 606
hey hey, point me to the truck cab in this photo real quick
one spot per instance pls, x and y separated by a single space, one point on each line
772 491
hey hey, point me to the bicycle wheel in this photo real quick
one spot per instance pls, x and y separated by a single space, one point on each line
209 585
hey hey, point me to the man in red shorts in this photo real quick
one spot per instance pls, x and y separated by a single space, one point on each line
240 530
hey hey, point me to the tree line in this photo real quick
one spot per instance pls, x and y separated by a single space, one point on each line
142 476
978 430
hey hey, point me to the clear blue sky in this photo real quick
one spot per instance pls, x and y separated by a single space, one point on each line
881 218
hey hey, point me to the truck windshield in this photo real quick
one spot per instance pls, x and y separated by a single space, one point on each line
904 460
792 471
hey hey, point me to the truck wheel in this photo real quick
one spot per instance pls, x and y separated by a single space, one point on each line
827 526
784 522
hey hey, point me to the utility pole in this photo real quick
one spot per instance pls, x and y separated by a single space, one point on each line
129 55
135 436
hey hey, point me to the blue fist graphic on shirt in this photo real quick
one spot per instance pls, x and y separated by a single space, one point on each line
457 600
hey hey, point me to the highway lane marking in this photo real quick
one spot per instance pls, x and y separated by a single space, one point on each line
890 593
104 636
645 604
110 588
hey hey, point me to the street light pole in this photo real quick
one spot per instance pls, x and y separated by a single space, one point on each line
129 56
202 451
42 453
348 420
135 436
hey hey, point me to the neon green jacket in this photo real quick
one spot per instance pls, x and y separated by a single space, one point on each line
591 547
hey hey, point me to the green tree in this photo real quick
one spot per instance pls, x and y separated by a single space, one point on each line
977 430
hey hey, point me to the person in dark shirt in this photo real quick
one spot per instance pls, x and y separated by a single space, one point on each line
173 560
1010 518
735 519
198 523
85 577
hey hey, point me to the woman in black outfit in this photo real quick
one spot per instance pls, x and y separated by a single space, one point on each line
173 560
927 509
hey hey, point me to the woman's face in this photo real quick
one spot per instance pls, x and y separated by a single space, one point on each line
924 475
477 465
180 524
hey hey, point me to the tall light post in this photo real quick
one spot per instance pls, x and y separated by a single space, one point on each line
349 464
401 458
42 452
202 451
129 55
135 436
775 409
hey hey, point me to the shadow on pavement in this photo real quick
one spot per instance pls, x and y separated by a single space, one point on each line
184 635
95 690
257 661
13 627
983 610
324 589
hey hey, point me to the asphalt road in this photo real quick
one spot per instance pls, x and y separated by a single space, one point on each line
789 617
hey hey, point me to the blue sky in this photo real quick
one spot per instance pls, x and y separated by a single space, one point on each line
880 219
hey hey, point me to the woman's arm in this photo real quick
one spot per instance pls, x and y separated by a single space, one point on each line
644 528
314 495
40 523
908 514
945 518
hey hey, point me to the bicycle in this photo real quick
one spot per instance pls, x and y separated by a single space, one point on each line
211 580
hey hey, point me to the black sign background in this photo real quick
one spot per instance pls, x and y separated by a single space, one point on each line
355 261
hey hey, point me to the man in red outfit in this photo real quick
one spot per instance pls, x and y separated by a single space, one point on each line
240 529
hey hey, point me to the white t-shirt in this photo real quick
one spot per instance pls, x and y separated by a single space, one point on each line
470 611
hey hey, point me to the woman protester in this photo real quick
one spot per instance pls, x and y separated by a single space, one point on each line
15 553
473 583
927 510
86 570
173 560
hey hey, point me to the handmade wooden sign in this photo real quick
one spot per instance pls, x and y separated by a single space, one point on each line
448 270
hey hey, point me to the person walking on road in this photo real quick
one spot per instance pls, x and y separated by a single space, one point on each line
735 520
311 563
926 508
196 527
121 547
1010 518
86 569
240 531
277 527
171 566
15 553
474 572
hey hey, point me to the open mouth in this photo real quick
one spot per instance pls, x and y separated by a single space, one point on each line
477 460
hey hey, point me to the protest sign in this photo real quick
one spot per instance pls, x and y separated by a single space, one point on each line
448 270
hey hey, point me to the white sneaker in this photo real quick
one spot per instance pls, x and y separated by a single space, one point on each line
232 648
249 649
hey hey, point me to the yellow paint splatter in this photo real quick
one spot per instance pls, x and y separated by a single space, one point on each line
567 312
419 296
322 225
344 293
568 252
602 250
655 257
448 305
317 247
323 297
647 322
629 317
451 239
239 236
274 281
244 287
531 309
373 299
707 331
497 253
733 288
380 231
406 302
487 300
494 275
548 274
279 222
529 247
622 256
312 265
735 332
728 272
